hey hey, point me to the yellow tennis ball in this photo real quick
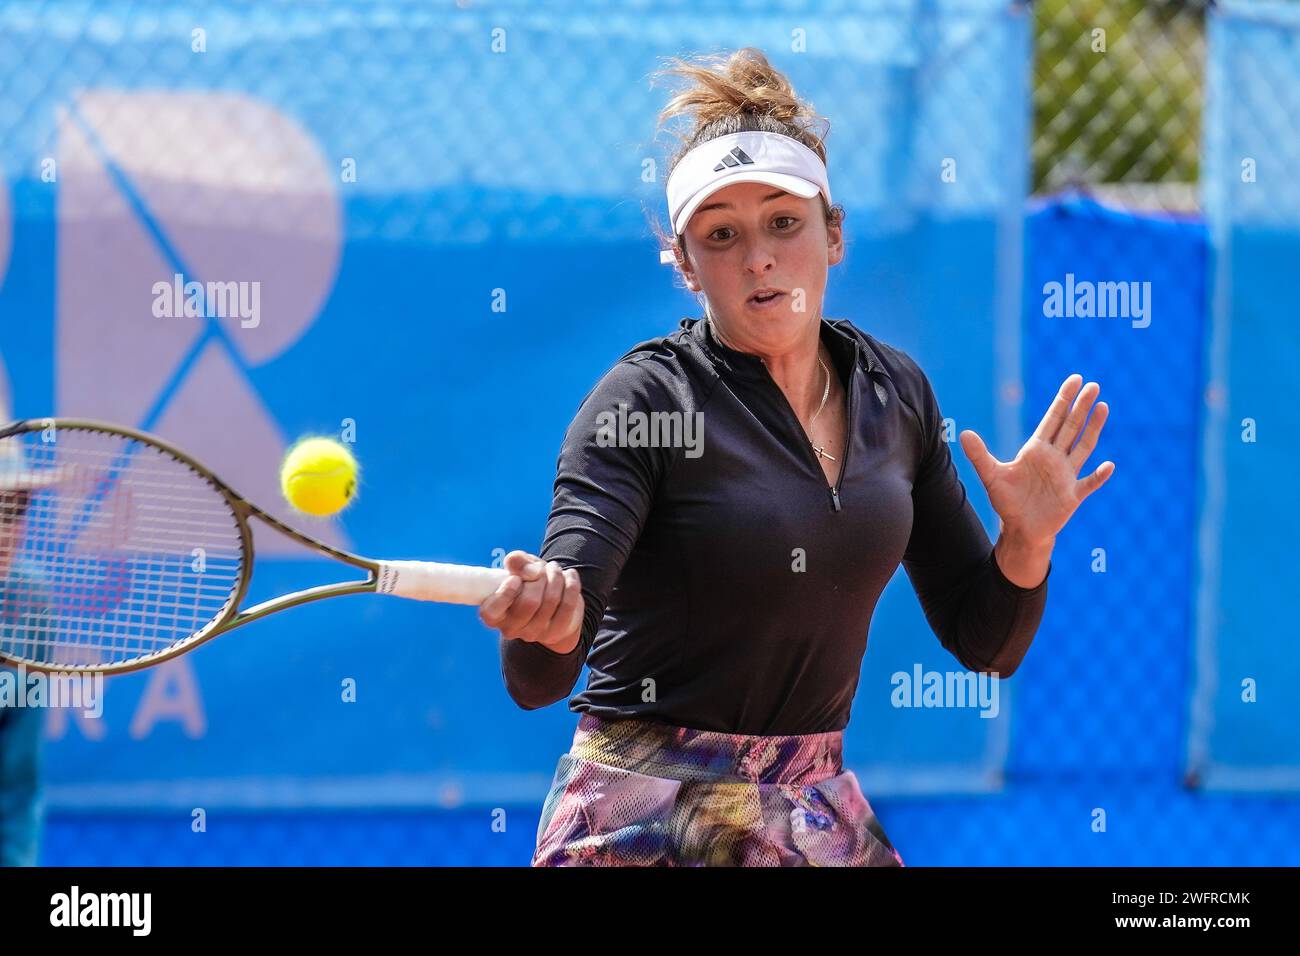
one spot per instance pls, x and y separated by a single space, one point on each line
319 476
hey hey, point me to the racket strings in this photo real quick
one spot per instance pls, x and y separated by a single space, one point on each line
115 551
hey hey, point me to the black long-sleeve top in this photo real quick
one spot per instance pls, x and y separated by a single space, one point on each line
727 585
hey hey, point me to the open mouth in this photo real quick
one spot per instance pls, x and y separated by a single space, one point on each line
762 298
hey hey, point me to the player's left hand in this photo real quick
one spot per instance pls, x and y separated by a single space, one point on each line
1036 493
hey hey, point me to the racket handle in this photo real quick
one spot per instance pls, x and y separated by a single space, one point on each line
430 581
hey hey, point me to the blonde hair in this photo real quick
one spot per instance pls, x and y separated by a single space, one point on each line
733 93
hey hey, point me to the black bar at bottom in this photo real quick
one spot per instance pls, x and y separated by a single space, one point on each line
329 905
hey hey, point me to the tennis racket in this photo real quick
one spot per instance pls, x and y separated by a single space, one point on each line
119 551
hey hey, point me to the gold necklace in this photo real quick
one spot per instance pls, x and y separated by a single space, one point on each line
821 449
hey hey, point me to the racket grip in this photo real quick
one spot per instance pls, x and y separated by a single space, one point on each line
430 581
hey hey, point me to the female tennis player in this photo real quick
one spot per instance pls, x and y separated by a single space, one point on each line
720 584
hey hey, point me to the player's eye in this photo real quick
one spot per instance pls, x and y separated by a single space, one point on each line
717 238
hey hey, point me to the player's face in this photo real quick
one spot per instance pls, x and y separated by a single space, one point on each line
13 508
762 237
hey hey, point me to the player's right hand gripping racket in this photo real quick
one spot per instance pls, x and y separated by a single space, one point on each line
118 551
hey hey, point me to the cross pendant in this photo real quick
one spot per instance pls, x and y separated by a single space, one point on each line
820 449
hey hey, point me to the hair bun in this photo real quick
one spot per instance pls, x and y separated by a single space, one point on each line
722 86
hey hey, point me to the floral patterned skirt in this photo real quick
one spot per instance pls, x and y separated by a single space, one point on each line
643 793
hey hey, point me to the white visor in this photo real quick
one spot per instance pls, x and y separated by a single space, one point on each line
753 156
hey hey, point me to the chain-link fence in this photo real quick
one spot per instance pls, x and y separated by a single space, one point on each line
387 169
1118 94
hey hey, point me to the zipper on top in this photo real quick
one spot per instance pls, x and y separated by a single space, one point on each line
850 388
849 430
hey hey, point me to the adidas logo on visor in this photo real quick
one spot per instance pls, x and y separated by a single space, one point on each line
736 157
